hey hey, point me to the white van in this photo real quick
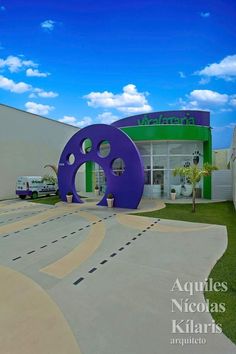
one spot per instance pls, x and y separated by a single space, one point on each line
34 186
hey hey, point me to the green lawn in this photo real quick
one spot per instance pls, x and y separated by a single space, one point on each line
52 200
222 213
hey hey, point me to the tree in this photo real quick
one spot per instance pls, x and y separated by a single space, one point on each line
194 175
53 167
49 179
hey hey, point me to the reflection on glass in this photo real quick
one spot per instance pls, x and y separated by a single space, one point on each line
146 162
160 162
185 148
147 177
180 161
158 177
104 149
99 178
118 167
86 146
144 148
118 164
160 148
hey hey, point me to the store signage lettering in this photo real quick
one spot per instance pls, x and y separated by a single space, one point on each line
161 119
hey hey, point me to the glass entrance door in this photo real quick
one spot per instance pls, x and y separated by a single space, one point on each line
100 178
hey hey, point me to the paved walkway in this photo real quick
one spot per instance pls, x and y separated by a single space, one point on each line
91 280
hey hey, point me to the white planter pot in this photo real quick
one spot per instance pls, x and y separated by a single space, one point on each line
96 192
69 198
110 203
173 196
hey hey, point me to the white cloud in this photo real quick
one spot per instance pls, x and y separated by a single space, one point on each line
211 97
36 72
84 122
207 99
205 14
76 121
68 119
225 69
48 25
107 118
182 75
233 101
14 64
10 85
37 92
47 94
104 118
38 108
129 101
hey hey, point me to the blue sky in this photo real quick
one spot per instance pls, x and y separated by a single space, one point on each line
91 61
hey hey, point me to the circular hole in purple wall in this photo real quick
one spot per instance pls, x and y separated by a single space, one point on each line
118 166
98 179
104 148
70 159
86 145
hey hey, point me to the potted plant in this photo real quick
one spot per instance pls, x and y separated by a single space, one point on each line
110 200
69 197
173 194
96 190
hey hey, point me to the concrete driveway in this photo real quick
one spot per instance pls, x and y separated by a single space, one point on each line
86 279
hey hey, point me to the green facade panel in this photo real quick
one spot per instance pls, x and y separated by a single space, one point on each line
89 176
207 158
168 132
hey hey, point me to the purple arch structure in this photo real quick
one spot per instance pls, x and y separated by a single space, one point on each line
127 188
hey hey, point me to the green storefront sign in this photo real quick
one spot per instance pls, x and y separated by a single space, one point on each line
161 119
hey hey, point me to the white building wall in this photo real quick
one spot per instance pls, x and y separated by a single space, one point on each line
221 187
27 143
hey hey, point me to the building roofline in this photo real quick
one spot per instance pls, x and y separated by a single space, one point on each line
37 115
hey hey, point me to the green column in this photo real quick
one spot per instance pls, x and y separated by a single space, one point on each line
207 152
89 176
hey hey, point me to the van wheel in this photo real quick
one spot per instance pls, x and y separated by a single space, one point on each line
34 195
22 196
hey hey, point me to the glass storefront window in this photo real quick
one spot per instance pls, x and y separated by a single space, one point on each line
158 177
144 148
160 162
159 159
184 148
146 162
160 148
175 181
182 161
147 177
